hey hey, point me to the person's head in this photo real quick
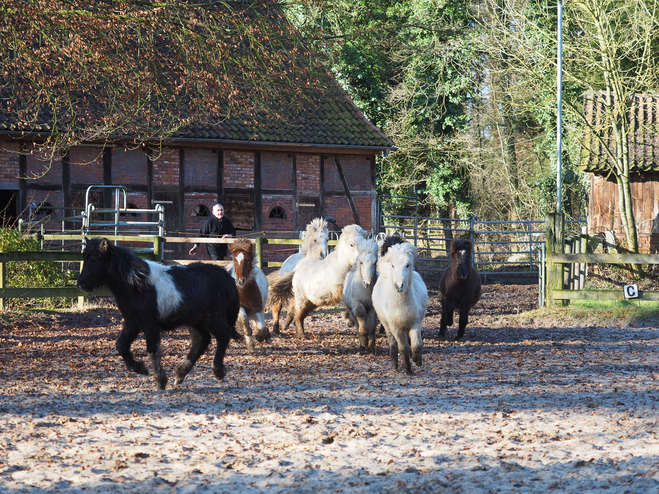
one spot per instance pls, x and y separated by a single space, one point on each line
218 211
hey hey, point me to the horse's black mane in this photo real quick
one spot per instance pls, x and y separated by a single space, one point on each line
461 244
122 263
390 241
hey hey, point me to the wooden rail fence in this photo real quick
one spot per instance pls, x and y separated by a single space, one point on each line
559 264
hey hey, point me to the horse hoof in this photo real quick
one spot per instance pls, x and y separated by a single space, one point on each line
161 382
220 373
140 368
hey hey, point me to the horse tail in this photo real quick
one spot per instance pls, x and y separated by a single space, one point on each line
281 289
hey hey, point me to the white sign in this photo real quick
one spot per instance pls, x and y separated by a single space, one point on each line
631 291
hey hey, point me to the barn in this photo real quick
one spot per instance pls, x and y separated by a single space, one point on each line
604 214
273 171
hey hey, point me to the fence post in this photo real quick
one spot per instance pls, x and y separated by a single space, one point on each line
157 248
259 252
555 225
2 284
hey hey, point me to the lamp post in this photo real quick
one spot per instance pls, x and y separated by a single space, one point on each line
559 104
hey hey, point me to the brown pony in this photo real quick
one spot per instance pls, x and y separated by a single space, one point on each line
460 286
252 290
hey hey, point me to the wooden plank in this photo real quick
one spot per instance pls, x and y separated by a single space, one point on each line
606 258
64 291
602 295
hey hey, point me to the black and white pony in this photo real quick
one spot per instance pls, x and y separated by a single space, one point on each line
154 298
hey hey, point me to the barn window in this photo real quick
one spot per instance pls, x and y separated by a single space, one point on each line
278 213
201 210
130 206
43 209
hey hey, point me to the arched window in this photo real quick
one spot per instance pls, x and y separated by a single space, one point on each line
201 210
278 213
130 206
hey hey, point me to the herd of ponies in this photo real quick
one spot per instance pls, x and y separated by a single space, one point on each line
376 282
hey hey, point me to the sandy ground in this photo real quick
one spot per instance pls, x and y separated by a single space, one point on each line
521 405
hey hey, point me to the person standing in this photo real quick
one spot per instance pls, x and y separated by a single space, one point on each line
220 226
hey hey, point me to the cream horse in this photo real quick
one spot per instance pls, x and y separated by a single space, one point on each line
314 247
319 283
400 298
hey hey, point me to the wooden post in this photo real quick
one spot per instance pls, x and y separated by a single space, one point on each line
259 252
555 245
81 298
2 284
157 249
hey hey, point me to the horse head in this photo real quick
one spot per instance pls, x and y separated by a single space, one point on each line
316 239
367 264
351 242
461 257
243 259
398 265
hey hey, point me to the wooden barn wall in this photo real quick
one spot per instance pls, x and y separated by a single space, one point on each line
604 212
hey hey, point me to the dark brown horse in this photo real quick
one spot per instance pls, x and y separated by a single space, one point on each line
460 286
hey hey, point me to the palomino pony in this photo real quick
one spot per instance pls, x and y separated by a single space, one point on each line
400 298
319 283
252 290
314 247
357 296
460 286
154 298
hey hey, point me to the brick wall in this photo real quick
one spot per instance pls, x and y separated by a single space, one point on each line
356 169
275 224
238 169
200 167
276 169
339 209
308 173
9 162
86 166
166 168
43 169
128 166
193 223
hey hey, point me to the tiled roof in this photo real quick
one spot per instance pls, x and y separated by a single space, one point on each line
643 141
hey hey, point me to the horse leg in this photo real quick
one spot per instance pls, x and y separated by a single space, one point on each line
222 335
154 350
462 322
447 316
360 316
124 341
416 342
300 314
393 348
243 321
263 333
404 346
201 338
276 310
371 324
290 314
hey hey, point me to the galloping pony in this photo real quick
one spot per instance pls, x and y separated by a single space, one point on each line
319 283
400 298
252 290
460 286
357 296
153 298
314 247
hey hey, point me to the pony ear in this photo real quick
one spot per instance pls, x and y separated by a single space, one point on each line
104 245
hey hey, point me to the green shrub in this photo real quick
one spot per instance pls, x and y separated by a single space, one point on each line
31 274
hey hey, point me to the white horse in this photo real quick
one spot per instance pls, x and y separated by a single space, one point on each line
314 247
252 288
319 283
400 298
357 296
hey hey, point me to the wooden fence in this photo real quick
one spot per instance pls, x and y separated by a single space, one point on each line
151 253
561 262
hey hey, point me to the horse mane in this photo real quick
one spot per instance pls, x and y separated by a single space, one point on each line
242 244
390 241
461 244
402 246
122 263
315 225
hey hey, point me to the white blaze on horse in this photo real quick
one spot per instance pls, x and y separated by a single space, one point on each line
357 296
315 246
400 298
319 283
252 290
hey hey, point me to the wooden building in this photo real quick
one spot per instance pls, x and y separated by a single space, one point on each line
272 174
604 213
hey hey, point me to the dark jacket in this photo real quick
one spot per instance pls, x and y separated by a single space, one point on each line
217 228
